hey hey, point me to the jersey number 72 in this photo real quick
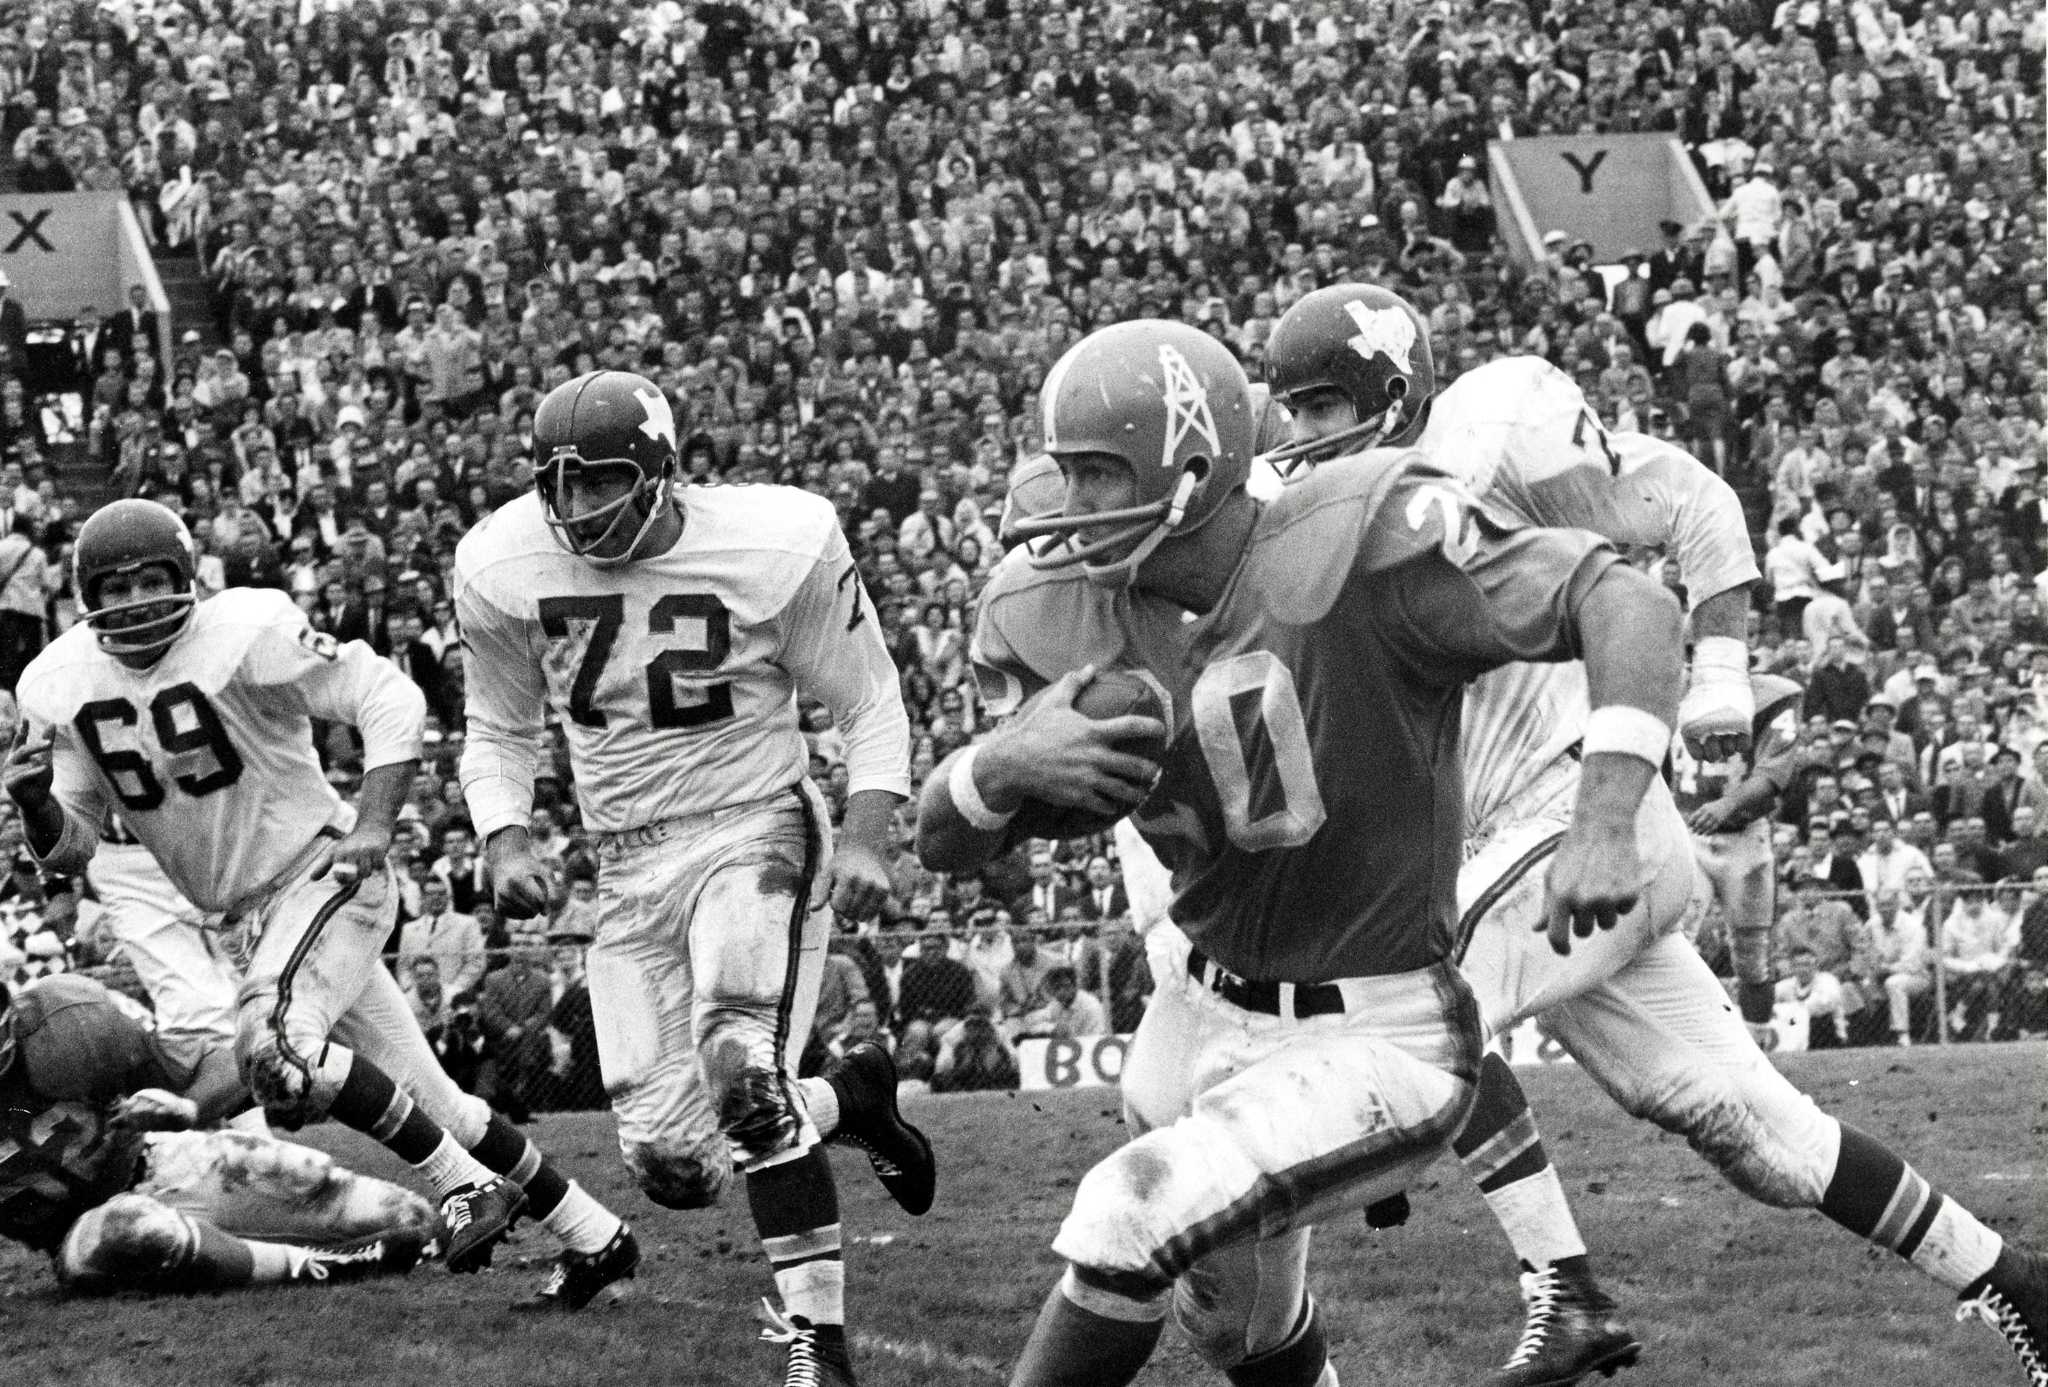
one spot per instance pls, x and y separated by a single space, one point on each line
606 614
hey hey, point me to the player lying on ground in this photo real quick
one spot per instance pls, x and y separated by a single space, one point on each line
1318 1049
672 629
1635 1006
194 720
104 1163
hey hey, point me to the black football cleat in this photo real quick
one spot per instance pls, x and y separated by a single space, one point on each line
1570 1334
865 1081
2013 1299
578 1277
393 1254
814 1355
476 1219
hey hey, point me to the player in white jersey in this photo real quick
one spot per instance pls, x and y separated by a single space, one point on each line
1634 1005
194 719
672 629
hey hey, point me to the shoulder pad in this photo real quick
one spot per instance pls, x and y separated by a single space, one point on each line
251 607
58 680
765 517
1361 514
1049 621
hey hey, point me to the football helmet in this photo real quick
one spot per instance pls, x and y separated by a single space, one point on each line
127 537
1036 489
1365 342
1172 403
604 420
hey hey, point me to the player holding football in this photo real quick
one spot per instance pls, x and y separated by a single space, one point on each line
1635 1006
672 629
104 1166
1318 1048
194 720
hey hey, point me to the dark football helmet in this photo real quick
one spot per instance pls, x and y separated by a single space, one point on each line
127 537
606 419
1367 343
1174 405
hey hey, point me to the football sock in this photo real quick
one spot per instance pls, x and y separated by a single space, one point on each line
216 1261
372 1104
822 1102
1303 1360
1503 1153
1088 1335
1876 1195
796 1212
564 1207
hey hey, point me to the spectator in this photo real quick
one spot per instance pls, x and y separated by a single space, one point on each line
974 1056
1978 940
452 940
1065 1010
579 1083
1822 998
27 583
1900 960
513 1013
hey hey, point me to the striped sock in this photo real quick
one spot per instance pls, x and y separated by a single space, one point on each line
1089 1335
564 1207
1877 1196
796 1211
1503 1153
375 1106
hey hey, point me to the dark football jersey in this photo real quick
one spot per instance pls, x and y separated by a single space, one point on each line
1311 801
78 1049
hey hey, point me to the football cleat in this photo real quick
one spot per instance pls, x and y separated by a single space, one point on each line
814 1355
577 1277
1571 1333
476 1219
394 1254
870 1120
2013 1299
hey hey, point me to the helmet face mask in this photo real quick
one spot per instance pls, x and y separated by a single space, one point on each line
594 433
1365 343
1168 404
131 540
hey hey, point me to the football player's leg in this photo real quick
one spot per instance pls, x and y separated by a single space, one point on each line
134 1242
278 1191
1743 871
1247 1311
1664 1041
191 985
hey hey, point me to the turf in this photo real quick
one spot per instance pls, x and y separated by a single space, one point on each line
1720 1289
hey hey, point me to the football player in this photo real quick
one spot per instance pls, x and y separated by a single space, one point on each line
672 629
1635 1006
104 1164
1318 1047
191 986
194 720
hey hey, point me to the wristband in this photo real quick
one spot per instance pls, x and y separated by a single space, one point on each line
1719 660
1628 731
967 796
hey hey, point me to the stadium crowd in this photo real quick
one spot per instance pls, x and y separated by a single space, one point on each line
848 239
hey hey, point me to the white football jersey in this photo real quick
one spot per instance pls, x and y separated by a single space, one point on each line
675 677
1520 434
208 754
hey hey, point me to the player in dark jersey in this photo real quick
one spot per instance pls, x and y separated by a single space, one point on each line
103 1167
1320 1048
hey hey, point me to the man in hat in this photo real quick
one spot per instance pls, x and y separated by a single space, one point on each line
1469 204
1754 212
1673 260
1667 329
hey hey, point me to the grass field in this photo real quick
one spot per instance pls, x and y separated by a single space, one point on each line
1721 1290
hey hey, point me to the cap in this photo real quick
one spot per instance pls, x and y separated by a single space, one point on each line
1682 288
1927 669
348 414
1843 724
1468 162
1554 238
1882 700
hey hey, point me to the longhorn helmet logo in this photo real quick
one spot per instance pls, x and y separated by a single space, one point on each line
1187 405
1382 330
661 420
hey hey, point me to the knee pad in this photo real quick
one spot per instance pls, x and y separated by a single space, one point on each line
294 1077
1114 1230
755 1113
1721 1122
677 1178
129 1241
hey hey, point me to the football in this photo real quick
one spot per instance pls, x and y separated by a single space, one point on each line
1112 693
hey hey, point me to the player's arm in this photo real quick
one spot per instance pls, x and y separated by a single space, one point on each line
504 709
832 646
62 806
211 1093
1709 539
348 682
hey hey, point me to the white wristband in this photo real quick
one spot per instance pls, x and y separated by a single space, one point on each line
1628 731
1719 660
967 796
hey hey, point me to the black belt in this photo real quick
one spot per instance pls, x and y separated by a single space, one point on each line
1310 998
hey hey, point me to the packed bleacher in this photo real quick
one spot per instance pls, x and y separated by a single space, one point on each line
848 239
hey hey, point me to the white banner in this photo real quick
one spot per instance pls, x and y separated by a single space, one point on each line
1092 1061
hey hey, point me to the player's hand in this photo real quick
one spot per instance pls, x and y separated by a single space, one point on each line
520 880
27 771
1715 816
155 1110
1055 755
1597 878
363 852
856 881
